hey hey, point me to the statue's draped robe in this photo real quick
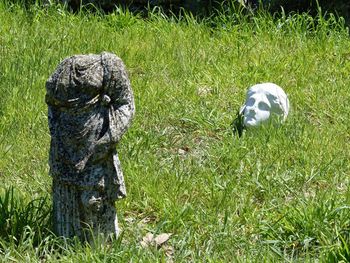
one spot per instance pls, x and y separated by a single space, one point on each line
90 107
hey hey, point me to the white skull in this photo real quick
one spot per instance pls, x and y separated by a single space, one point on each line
264 102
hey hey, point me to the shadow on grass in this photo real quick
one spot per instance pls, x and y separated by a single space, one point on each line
18 217
26 225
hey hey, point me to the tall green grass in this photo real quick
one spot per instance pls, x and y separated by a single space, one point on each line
271 195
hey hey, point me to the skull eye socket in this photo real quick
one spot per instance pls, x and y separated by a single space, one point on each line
263 106
250 102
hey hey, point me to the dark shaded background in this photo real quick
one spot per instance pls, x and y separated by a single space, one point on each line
206 7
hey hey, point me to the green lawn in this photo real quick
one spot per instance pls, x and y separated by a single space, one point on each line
272 195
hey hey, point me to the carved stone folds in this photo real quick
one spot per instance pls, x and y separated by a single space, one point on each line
90 106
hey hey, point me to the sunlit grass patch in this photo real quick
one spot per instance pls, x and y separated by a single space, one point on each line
273 194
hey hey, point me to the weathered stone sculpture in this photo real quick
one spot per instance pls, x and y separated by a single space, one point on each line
264 103
90 106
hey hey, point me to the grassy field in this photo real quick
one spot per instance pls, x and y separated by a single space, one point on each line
271 195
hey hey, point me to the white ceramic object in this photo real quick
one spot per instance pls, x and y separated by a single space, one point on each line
264 102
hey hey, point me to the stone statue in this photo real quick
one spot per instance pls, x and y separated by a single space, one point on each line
90 107
264 103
